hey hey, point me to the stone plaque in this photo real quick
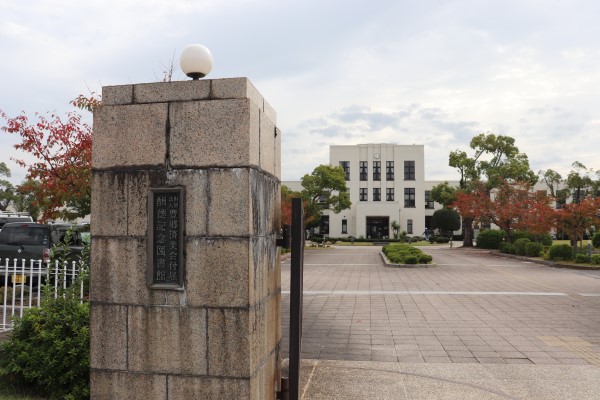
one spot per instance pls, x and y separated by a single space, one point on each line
165 239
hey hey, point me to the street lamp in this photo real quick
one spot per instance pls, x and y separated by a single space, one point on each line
196 61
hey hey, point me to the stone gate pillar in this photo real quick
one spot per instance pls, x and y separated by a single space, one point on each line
185 275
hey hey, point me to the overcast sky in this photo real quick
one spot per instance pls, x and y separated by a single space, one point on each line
428 72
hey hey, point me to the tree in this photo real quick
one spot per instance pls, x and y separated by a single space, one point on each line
577 218
62 148
443 194
511 206
7 190
324 189
24 201
446 220
579 182
287 195
495 158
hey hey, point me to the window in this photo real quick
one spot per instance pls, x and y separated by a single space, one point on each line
409 170
409 197
324 228
428 201
376 194
389 194
344 226
346 166
363 171
409 226
376 170
389 170
363 194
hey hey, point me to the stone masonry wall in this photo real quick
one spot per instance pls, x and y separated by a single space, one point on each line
219 336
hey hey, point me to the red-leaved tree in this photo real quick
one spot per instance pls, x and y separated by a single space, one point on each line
576 218
62 149
511 206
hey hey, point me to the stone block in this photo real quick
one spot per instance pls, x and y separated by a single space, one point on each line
277 170
264 190
108 385
161 92
118 270
196 201
229 212
109 197
137 203
267 144
129 135
108 336
218 272
273 318
237 88
169 340
115 95
216 133
186 387
270 112
265 382
229 341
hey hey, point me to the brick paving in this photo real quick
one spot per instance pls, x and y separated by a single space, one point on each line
470 307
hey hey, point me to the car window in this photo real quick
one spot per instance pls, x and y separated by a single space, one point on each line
26 235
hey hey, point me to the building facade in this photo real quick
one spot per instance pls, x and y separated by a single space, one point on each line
387 187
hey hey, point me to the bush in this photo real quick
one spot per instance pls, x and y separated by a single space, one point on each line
490 239
533 249
581 258
521 245
507 248
596 240
560 252
9 294
595 259
48 349
411 260
405 254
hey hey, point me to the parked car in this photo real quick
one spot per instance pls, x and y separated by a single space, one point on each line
8 217
28 241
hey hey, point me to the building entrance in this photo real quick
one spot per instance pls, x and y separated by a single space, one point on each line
378 227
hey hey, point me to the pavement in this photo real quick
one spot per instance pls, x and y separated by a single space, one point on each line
471 326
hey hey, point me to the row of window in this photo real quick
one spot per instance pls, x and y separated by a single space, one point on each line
409 196
409 170
325 226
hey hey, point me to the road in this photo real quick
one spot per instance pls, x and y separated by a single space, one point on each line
469 307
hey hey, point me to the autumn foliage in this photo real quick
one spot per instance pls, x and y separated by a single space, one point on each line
511 206
62 149
576 218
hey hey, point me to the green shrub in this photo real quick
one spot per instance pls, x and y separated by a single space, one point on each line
545 240
596 240
533 249
425 259
442 239
9 294
411 260
595 259
48 349
490 239
400 253
521 245
581 258
560 252
507 248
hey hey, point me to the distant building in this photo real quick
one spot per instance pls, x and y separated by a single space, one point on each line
386 184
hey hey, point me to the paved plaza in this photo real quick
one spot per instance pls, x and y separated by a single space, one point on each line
471 314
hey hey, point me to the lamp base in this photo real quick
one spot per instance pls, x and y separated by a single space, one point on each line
196 75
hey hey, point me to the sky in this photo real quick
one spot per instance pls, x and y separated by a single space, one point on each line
427 72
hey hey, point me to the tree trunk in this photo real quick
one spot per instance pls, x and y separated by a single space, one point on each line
468 232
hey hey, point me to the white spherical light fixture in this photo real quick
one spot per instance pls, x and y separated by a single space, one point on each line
196 61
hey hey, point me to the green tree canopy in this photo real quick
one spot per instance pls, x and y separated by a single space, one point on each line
325 189
446 220
444 193
7 190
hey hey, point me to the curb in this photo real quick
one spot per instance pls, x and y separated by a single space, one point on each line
553 264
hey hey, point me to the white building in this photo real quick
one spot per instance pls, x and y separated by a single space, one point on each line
386 184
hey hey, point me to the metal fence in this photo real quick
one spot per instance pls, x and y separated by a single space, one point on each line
22 281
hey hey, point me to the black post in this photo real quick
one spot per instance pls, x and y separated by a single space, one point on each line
297 264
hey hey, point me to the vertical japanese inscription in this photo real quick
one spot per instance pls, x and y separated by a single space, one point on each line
165 255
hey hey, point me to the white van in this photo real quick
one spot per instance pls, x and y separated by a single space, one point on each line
7 216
